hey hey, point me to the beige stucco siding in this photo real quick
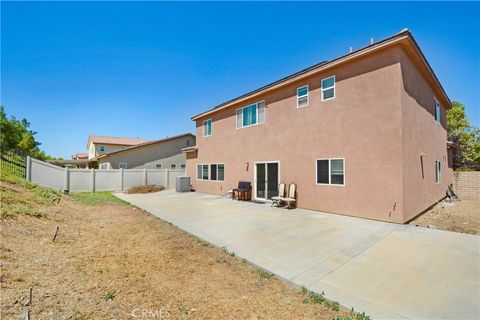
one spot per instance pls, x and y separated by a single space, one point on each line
424 141
146 156
362 124
94 149
166 163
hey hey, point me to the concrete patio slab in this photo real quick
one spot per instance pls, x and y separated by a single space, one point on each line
390 271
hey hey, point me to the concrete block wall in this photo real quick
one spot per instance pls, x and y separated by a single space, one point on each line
466 184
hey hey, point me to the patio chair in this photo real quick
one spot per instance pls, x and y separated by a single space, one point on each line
243 192
291 200
277 200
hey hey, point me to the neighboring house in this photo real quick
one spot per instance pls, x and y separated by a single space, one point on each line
98 145
80 156
362 135
157 154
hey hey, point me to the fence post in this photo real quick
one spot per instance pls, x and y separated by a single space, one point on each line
29 169
145 176
121 179
166 178
66 186
93 180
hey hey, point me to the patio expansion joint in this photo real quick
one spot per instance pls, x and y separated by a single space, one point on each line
344 263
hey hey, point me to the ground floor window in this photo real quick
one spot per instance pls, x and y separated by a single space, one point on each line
438 172
158 166
214 171
104 166
182 166
123 165
217 171
173 166
331 171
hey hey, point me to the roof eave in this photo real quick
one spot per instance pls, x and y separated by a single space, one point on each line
401 36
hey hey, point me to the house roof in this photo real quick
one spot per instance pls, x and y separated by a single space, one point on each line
148 143
403 36
115 140
80 155
190 149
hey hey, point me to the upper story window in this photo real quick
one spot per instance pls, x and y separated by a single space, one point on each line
207 128
251 115
302 96
102 149
437 111
331 171
328 88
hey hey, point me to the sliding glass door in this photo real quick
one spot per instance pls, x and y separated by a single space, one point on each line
266 180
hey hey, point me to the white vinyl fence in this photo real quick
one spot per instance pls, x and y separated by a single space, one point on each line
91 180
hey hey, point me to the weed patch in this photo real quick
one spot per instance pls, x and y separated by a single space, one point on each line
98 198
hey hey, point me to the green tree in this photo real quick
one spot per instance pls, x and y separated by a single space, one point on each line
466 138
16 135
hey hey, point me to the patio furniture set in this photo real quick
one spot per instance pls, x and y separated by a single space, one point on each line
244 193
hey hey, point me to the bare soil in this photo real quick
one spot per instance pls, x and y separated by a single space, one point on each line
145 189
458 216
114 261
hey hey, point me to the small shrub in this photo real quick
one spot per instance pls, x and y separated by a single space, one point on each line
263 274
183 308
362 316
109 296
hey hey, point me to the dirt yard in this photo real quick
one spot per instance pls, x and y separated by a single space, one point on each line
113 261
459 216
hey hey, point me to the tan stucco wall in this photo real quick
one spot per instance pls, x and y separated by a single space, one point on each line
362 124
108 148
422 138
166 163
148 155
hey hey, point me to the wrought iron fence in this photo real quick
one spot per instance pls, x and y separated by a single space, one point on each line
13 162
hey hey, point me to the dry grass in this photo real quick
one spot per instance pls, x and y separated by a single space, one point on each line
145 189
111 259
458 216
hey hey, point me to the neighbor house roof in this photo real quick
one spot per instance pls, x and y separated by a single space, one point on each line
80 155
148 143
115 140
403 36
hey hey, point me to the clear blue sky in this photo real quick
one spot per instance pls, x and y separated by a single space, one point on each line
143 69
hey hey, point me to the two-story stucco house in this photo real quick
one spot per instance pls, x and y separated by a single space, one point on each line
98 145
164 153
361 135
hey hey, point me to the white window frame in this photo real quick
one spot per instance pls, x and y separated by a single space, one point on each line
438 112
330 173
158 166
257 122
101 148
120 165
205 127
208 171
104 166
324 89
304 96
173 166
438 172
182 166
